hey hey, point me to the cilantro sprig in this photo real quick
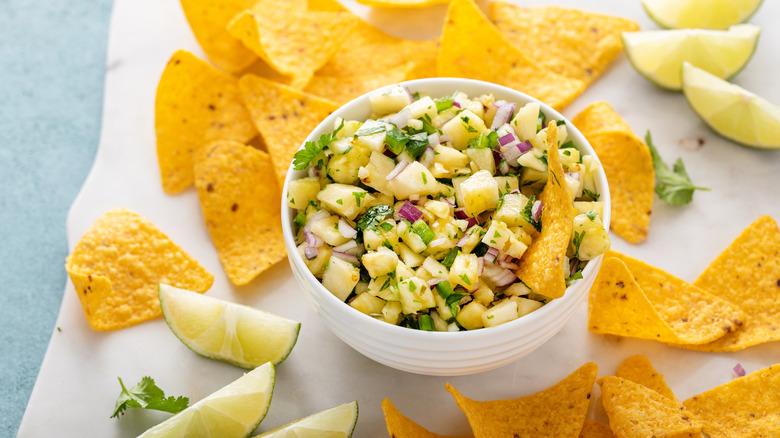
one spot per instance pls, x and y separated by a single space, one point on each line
672 186
311 149
371 218
146 395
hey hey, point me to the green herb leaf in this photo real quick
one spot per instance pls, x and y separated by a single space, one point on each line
396 140
541 120
528 214
591 214
310 150
484 141
358 197
592 195
423 230
146 395
371 218
444 103
417 144
673 187
577 241
449 259
425 322
370 130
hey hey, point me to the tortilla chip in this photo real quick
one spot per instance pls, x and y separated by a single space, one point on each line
558 411
570 42
748 273
208 20
284 116
595 429
471 47
745 407
368 50
541 267
118 264
685 307
637 411
326 5
600 118
195 104
294 42
638 369
399 426
415 4
342 89
241 204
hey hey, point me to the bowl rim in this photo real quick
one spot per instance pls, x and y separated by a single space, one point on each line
422 85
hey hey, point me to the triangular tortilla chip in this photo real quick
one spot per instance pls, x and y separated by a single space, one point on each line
541 267
638 369
570 42
342 89
195 104
399 426
284 116
600 118
241 203
208 20
558 411
118 264
595 429
635 411
747 273
294 42
413 4
745 407
685 307
472 47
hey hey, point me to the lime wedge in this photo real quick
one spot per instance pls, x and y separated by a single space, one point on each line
732 111
658 55
338 422
233 411
241 335
702 14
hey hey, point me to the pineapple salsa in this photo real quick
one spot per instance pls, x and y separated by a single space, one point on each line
419 215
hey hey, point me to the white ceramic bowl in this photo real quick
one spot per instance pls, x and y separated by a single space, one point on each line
440 353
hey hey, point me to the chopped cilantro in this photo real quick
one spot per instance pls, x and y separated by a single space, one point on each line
540 121
444 103
424 177
673 187
417 144
300 218
396 140
386 226
425 322
591 214
370 130
568 145
310 150
592 195
147 395
484 141
528 215
449 259
423 230
576 276
465 279
577 241
339 202
416 95
371 218
412 286
358 197
364 275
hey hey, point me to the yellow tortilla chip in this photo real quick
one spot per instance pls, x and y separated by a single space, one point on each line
558 411
195 104
745 407
638 369
294 42
118 264
284 116
471 47
635 411
570 42
685 307
748 273
208 20
541 267
399 426
600 118
342 89
326 5
402 3
595 429
241 204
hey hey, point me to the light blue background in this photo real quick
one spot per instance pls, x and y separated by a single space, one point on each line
52 65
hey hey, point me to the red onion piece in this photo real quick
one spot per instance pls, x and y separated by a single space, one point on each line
507 139
504 167
498 275
461 214
346 257
426 159
480 266
503 114
434 139
574 263
456 104
491 254
443 138
739 371
525 146
312 239
409 212
310 252
398 169
462 241
409 93
400 119
473 221
347 247
536 210
314 172
346 229
515 192
507 265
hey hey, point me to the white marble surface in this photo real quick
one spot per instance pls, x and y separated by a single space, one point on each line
77 387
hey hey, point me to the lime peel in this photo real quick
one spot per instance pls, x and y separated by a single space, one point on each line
703 14
338 422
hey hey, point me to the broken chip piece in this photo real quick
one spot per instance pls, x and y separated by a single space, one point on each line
399 426
638 369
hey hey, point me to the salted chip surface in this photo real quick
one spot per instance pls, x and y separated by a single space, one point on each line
472 47
745 407
399 426
208 20
118 264
195 104
414 4
241 203
284 116
685 307
294 42
570 42
558 411
600 118
342 89
595 429
747 273
638 369
541 267
636 411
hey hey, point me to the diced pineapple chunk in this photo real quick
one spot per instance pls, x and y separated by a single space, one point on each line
573 184
301 191
372 135
484 295
412 291
380 262
439 208
414 179
480 193
403 272
464 271
589 238
439 324
473 236
450 158
506 184
569 157
327 230
533 159
422 107
582 207
525 305
510 212
517 289
504 311
392 312
368 304
533 178
501 237
525 120
349 128
317 264
411 239
410 258
344 168
441 308
462 128
374 174
340 277
344 199
390 99
435 268
470 316
483 158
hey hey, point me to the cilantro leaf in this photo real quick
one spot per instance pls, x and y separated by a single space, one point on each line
528 214
444 103
673 187
146 395
310 150
371 218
